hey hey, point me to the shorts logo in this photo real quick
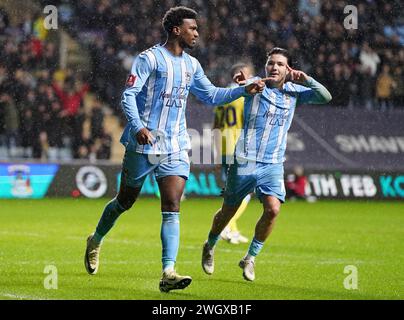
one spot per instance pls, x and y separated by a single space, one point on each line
131 81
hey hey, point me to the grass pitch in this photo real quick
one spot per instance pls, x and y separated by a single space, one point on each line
304 258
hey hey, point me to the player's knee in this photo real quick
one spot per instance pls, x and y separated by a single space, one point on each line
272 211
228 211
171 205
126 200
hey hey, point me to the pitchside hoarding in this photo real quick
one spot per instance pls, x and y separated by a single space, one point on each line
19 180
93 181
347 154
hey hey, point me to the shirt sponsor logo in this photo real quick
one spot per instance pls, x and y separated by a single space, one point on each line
278 118
177 98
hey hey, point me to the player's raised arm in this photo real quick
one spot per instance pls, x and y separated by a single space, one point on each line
205 91
141 70
316 93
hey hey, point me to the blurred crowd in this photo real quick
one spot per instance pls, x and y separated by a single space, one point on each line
42 107
363 67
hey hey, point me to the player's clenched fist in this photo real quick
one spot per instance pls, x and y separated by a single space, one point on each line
144 136
255 87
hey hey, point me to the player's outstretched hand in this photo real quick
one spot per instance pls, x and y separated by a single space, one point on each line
240 78
255 87
144 136
297 76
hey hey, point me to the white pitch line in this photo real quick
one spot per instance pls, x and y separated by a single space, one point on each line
300 257
150 244
21 296
346 261
24 234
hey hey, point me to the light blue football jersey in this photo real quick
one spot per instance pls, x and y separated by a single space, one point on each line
268 117
156 95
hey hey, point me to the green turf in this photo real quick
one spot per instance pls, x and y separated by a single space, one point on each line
304 258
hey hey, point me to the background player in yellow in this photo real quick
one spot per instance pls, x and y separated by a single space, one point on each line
229 120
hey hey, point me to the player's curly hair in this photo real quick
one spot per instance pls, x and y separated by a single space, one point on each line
175 16
282 52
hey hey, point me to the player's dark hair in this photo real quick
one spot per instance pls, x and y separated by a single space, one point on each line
175 16
283 52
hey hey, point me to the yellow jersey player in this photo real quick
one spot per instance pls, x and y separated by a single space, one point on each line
229 120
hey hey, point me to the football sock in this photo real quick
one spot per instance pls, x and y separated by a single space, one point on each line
213 239
254 249
170 238
240 211
111 213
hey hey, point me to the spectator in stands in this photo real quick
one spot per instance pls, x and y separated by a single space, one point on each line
11 122
367 88
310 7
318 25
118 29
369 59
40 137
398 92
54 130
27 126
107 81
97 120
296 185
340 86
49 61
28 64
4 20
84 149
385 85
103 146
71 97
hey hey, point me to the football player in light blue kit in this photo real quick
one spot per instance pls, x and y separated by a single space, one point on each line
156 138
260 153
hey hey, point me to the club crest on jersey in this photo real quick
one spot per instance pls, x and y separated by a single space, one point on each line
188 77
287 100
131 81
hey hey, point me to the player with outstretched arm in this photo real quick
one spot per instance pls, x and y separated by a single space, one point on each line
156 138
260 150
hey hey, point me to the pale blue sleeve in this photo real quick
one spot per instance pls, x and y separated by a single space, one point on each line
141 70
206 92
313 92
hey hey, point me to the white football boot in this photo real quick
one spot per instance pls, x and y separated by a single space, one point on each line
92 255
171 280
248 269
208 263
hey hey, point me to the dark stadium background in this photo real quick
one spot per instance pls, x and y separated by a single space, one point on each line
358 134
